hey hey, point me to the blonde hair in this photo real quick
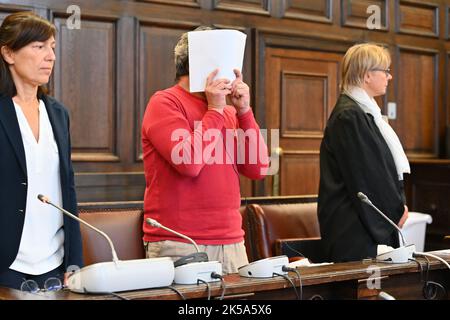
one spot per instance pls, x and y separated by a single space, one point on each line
360 59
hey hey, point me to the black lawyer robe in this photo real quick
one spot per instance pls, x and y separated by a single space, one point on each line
354 157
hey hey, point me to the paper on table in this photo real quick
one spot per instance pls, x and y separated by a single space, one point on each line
212 49
306 263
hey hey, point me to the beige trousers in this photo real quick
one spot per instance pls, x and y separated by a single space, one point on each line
232 256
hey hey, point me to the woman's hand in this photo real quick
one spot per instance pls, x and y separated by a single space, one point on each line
66 278
404 217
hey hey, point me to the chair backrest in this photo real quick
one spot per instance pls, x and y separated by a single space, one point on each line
262 224
123 226
248 234
297 248
270 222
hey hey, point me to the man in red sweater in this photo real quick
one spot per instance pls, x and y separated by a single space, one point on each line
193 155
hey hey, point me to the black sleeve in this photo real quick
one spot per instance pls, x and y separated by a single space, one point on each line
367 166
75 243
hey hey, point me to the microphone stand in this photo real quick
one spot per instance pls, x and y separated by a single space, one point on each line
44 199
401 254
117 275
194 267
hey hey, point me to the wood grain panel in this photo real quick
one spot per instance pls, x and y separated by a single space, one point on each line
300 173
106 72
416 123
428 190
303 118
354 13
156 66
104 187
313 10
447 22
190 3
418 18
447 102
85 83
7 9
247 6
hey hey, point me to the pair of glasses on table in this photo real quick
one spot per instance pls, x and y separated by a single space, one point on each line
51 284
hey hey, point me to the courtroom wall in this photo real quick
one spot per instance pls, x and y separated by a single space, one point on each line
107 69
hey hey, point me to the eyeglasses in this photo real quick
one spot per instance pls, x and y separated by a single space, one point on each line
386 71
51 284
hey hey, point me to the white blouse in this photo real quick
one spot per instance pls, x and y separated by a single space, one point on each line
42 244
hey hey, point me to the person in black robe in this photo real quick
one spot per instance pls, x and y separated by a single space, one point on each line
360 153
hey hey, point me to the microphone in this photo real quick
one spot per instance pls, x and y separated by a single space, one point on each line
117 275
46 200
366 200
194 267
401 254
194 257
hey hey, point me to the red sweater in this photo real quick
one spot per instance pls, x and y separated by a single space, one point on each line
197 198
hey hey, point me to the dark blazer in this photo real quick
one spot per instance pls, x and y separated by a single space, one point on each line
13 182
354 157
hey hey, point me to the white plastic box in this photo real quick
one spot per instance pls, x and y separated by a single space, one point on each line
414 229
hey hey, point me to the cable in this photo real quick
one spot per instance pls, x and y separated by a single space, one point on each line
178 292
290 281
420 267
215 275
316 297
287 245
207 286
287 269
430 288
432 256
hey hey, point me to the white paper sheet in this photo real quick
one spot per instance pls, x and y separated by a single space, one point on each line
307 263
212 49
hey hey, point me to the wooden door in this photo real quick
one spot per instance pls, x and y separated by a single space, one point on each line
301 88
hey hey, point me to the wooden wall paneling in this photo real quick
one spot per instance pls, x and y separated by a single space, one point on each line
417 114
354 13
189 3
447 22
110 186
312 10
156 69
447 97
260 7
203 4
99 183
428 189
7 9
306 166
85 81
417 17
127 91
124 36
303 121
